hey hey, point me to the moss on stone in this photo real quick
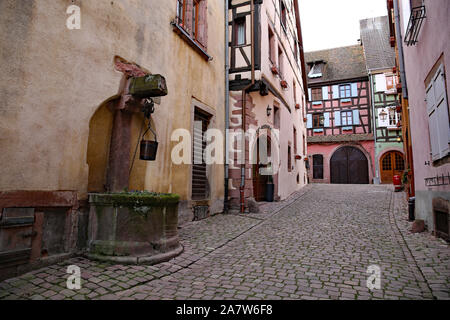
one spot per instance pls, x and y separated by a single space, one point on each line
135 199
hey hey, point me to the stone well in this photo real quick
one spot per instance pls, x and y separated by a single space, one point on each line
133 228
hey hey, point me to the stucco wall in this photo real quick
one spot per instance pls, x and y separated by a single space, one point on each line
433 41
54 80
327 150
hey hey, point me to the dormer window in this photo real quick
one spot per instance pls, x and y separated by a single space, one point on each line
316 70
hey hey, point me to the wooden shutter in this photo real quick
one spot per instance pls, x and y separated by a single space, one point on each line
437 108
356 117
203 23
324 93
335 92
199 178
309 121
337 118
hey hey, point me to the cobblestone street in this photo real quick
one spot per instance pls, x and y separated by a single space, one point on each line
317 244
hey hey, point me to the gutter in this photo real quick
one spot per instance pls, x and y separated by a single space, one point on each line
302 53
227 108
252 32
374 121
400 50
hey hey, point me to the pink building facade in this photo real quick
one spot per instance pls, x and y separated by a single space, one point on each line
339 120
425 34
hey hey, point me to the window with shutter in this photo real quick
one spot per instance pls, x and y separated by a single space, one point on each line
438 118
200 186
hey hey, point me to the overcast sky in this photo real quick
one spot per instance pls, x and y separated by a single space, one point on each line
335 23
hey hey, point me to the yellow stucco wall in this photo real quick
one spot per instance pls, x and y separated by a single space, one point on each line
55 79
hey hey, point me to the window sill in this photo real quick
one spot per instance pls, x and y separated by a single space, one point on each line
317 103
317 130
346 100
348 128
186 37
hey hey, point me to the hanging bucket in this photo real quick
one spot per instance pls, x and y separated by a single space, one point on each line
148 148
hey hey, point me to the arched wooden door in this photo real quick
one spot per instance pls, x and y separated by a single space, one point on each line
349 165
260 181
392 163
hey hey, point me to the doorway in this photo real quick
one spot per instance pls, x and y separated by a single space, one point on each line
391 164
349 165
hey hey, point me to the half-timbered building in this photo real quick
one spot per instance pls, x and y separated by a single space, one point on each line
267 100
386 109
339 122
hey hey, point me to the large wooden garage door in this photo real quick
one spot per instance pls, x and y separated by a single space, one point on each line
349 166
392 163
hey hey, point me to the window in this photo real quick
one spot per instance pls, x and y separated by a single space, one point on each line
200 185
437 110
271 46
181 12
316 70
394 117
240 32
276 117
317 166
294 89
283 15
390 82
289 160
316 94
195 10
280 62
295 141
345 91
192 18
318 120
346 118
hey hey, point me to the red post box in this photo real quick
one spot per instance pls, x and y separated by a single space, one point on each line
397 183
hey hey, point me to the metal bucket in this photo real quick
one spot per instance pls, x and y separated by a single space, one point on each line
148 150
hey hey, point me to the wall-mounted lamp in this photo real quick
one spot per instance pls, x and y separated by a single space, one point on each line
269 109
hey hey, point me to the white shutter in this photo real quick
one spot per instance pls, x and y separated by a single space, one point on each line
309 94
324 93
309 123
380 83
354 89
337 118
326 121
335 92
442 113
432 122
356 117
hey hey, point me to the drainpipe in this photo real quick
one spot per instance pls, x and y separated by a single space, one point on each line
252 32
400 50
374 121
227 107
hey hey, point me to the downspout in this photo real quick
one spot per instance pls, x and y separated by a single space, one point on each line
227 107
400 50
404 93
252 32
374 120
